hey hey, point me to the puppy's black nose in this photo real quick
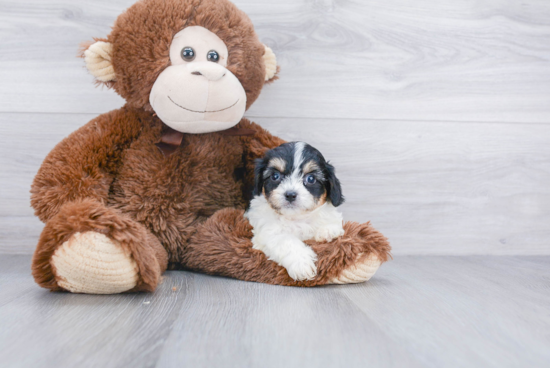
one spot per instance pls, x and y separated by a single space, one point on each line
291 196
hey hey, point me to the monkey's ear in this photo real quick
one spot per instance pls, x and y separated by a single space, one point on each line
271 68
98 61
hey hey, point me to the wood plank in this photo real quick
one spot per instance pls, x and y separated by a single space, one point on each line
444 61
19 234
228 323
15 278
45 329
26 140
417 311
432 188
463 311
439 188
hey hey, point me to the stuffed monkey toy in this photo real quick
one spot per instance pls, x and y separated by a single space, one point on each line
162 183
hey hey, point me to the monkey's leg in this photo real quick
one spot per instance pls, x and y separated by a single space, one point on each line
90 248
222 246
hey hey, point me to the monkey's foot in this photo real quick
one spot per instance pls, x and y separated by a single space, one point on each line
359 272
92 263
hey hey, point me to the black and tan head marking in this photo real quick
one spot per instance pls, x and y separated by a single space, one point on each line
295 176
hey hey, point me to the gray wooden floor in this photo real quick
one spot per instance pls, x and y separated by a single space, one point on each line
418 311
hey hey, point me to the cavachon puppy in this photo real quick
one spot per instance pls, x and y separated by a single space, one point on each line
295 197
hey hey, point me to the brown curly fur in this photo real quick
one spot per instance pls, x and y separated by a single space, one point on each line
222 246
185 209
142 36
90 215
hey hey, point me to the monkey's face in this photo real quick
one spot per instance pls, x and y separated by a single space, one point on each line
197 64
197 93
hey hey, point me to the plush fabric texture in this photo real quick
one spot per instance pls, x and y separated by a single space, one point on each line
182 210
98 61
222 246
363 270
92 263
142 36
86 215
270 62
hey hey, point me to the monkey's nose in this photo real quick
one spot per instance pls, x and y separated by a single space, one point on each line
209 70
291 196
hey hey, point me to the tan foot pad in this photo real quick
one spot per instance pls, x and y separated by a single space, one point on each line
360 272
92 263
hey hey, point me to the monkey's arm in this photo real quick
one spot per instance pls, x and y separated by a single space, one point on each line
82 165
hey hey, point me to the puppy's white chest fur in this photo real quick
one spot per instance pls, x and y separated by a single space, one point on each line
282 238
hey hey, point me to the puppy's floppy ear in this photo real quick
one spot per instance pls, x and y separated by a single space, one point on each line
333 187
259 168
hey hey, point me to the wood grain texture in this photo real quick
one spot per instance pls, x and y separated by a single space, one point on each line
432 188
68 330
466 308
444 61
416 312
377 86
439 187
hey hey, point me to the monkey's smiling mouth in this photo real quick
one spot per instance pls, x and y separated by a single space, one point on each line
201 112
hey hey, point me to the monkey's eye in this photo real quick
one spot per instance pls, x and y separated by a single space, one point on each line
213 56
275 176
310 179
188 53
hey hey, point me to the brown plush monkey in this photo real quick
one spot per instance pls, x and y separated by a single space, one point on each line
163 181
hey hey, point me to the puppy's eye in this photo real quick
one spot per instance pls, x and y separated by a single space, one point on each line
275 176
187 53
310 179
213 56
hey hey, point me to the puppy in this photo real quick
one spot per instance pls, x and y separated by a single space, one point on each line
295 197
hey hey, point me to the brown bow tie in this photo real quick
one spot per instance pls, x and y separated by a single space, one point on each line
171 139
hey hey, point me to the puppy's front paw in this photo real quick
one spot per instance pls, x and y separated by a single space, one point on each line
329 233
303 267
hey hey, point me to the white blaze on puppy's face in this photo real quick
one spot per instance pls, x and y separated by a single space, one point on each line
197 93
293 183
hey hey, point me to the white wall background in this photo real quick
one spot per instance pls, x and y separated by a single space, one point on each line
436 114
